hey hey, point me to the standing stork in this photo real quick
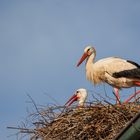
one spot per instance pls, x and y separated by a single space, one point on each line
115 71
79 95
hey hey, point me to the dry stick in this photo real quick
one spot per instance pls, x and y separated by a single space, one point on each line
16 134
104 100
116 97
106 93
135 97
35 137
112 105
58 107
96 97
53 128
132 96
119 111
21 137
52 98
37 108
65 107
64 131
137 100
22 130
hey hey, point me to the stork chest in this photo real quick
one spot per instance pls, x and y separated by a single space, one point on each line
95 74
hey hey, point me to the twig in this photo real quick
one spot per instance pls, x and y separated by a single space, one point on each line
36 108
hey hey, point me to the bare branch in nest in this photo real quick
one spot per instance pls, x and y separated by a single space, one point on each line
107 95
22 130
36 107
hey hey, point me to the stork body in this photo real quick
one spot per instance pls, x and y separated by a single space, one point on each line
105 70
80 95
115 71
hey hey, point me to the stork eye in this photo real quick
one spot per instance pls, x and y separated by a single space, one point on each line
88 49
77 91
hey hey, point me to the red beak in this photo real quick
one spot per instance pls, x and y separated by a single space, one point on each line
71 100
84 56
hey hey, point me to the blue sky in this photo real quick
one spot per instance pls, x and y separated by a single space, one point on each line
42 41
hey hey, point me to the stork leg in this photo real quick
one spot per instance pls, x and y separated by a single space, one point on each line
132 96
117 95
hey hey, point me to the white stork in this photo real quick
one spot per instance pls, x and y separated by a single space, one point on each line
115 71
79 95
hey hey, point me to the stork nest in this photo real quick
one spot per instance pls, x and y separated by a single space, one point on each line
95 121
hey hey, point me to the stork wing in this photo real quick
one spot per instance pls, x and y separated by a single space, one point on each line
129 73
117 67
114 65
133 73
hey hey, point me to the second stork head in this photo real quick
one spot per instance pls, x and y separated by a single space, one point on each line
80 95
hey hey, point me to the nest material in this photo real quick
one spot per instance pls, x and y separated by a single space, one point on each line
94 122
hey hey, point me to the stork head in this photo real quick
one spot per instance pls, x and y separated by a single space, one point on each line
87 52
79 95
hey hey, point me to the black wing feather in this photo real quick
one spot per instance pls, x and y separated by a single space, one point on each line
133 73
134 63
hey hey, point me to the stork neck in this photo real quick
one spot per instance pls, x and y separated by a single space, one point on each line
81 103
90 59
